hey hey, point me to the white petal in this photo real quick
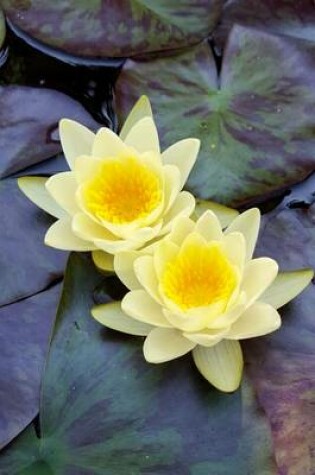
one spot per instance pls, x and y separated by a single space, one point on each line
259 319
63 187
76 140
258 275
209 227
221 365
34 188
139 305
207 338
112 316
171 185
247 223
183 206
146 274
124 268
141 109
224 214
103 260
180 230
86 228
183 155
143 136
61 236
287 286
165 344
107 144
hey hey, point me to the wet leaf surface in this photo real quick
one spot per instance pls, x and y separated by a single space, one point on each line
104 410
255 120
115 29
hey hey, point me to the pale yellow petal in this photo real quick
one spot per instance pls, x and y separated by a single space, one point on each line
171 185
76 140
112 316
62 187
259 319
141 109
165 252
235 249
193 320
113 246
86 228
103 261
183 155
258 275
165 344
224 214
209 227
183 205
247 223
107 144
34 188
180 230
287 286
206 338
143 136
124 268
61 236
139 305
146 275
221 365
86 167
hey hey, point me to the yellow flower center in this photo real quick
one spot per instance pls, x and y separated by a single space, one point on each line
123 191
199 276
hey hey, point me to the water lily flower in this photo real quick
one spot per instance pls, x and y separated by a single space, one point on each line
201 290
121 191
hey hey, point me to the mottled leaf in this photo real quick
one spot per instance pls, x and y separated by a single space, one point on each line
25 329
29 125
105 411
284 17
115 29
255 120
282 366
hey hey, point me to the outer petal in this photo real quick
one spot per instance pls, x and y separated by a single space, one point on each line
224 214
259 319
143 136
221 365
206 338
287 286
183 206
146 275
258 275
165 252
113 246
34 188
86 228
141 109
235 249
63 187
209 227
61 236
123 265
139 305
248 224
103 260
112 316
165 344
180 230
171 185
107 144
76 139
183 155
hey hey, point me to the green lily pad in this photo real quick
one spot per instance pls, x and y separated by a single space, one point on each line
115 29
255 120
24 341
284 17
282 366
105 411
29 125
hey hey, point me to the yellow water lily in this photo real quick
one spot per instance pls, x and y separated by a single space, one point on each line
201 290
121 191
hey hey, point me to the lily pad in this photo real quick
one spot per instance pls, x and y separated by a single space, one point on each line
29 125
282 366
24 341
115 29
104 410
284 17
255 120
27 264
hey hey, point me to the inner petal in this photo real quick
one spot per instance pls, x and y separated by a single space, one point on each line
123 191
199 276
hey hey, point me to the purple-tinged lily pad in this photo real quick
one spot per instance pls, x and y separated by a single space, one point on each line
255 120
29 125
282 366
294 18
25 329
115 29
27 264
104 410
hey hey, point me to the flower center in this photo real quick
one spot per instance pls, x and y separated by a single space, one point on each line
123 191
199 276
